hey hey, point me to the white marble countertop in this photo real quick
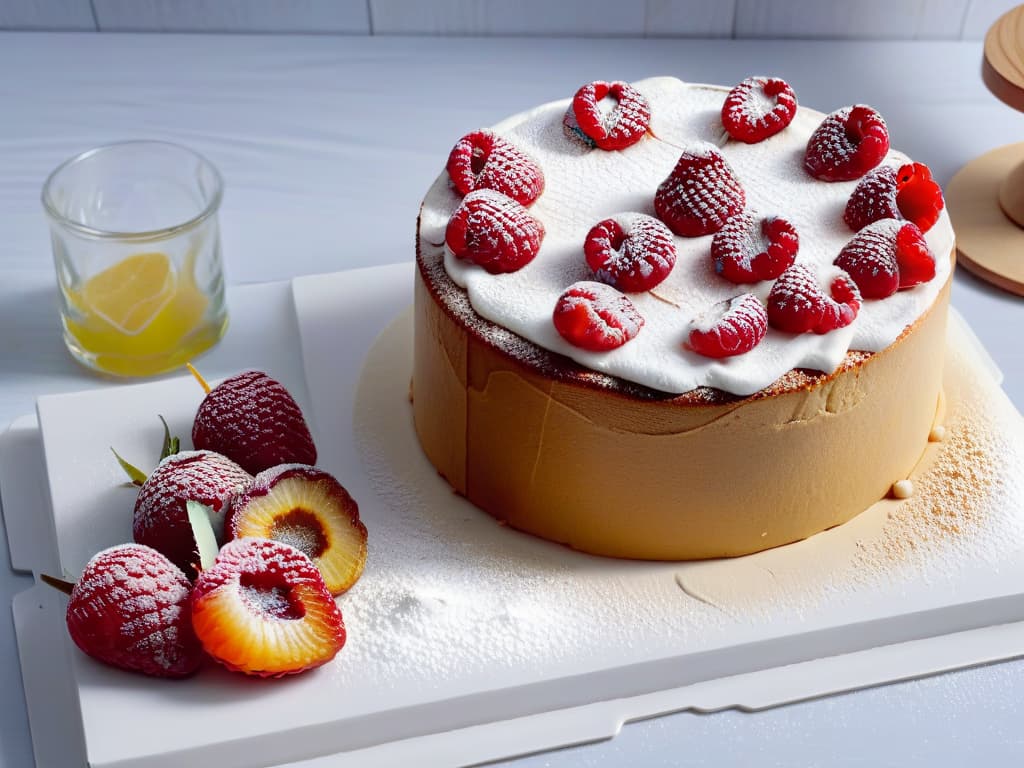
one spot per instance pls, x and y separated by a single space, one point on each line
327 145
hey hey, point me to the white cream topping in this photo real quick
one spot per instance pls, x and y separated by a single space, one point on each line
584 186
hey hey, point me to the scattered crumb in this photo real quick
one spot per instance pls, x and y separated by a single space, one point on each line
937 435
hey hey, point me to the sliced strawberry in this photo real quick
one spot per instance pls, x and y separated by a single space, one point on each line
757 108
596 317
800 301
700 194
873 199
633 252
621 126
885 256
309 509
919 198
729 328
494 231
848 143
749 249
262 608
132 609
484 160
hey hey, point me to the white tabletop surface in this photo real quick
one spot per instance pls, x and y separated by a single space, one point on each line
327 145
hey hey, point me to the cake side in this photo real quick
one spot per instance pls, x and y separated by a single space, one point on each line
611 474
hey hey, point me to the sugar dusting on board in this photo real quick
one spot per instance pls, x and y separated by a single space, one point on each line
450 593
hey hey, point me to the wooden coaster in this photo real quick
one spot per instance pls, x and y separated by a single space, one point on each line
989 243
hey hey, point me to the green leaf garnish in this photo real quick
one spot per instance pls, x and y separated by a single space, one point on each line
171 444
137 476
202 531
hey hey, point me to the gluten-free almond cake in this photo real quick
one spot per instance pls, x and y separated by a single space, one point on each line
663 320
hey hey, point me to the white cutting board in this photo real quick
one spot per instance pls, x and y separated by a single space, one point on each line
458 623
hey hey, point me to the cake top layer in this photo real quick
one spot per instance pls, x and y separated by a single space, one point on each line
585 186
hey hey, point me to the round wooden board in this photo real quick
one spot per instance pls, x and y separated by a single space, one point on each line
989 243
1002 67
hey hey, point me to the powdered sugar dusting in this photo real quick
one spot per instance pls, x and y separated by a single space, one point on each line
585 187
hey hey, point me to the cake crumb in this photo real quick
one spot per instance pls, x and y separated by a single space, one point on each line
903 489
937 435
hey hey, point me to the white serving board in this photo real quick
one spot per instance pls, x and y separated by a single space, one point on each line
463 634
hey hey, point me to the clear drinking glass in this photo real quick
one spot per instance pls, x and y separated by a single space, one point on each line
137 251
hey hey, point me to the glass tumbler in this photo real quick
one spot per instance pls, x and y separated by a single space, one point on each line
137 252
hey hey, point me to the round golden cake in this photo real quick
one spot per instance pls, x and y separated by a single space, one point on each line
597 450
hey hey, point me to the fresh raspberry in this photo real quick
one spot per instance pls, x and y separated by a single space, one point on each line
132 608
700 194
493 231
309 509
848 143
873 199
757 108
730 327
484 160
885 256
596 317
160 519
919 198
254 421
633 252
915 259
749 249
262 608
621 126
800 301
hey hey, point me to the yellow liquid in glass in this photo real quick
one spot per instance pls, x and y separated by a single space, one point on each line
140 316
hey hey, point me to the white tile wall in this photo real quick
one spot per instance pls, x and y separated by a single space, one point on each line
875 19
981 14
46 14
689 18
860 19
507 17
337 16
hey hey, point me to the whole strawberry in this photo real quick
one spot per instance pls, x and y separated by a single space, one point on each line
132 609
254 421
161 519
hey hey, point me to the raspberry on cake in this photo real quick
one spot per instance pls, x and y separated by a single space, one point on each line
596 317
700 194
493 231
757 108
801 301
729 328
749 249
632 252
887 256
848 143
726 424
887 193
484 160
617 128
